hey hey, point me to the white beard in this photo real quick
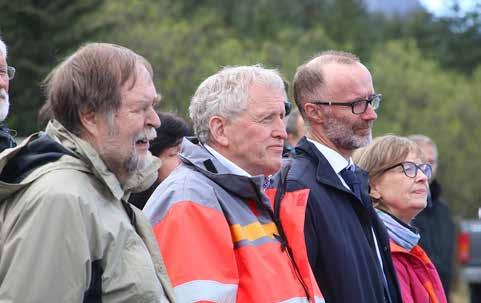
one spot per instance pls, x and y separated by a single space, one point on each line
4 104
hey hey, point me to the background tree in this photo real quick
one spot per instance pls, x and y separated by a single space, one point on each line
427 67
39 33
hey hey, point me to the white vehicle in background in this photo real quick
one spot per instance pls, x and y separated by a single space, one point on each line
469 256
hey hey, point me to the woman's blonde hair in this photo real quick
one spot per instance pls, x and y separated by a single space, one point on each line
384 152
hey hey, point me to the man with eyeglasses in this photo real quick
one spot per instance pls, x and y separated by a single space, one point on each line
6 74
347 244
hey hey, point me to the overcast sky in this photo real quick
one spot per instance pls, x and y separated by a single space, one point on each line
440 7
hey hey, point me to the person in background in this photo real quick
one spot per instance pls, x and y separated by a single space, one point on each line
67 233
295 131
435 222
166 146
348 245
6 74
44 115
398 179
213 217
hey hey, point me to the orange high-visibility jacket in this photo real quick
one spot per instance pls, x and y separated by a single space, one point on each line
220 236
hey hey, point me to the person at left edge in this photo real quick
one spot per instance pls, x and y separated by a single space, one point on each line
67 233
217 228
6 74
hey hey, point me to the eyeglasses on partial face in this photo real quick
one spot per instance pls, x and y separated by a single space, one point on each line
8 73
287 107
359 106
410 169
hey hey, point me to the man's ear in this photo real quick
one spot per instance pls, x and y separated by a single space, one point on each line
89 121
313 113
217 126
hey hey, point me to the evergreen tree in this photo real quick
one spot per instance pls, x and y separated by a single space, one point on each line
38 34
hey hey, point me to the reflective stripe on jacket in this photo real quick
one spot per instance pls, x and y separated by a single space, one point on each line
418 278
219 239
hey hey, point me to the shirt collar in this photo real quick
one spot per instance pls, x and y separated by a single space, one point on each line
337 161
231 166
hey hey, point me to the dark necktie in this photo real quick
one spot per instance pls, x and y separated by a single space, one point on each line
351 180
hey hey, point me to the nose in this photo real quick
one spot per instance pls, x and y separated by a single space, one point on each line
370 114
279 130
421 176
153 119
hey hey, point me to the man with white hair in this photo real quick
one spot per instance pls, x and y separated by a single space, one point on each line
222 237
6 74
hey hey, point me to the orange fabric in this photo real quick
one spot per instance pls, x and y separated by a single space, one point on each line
263 272
257 285
292 213
193 226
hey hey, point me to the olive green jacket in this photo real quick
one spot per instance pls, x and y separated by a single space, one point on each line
66 235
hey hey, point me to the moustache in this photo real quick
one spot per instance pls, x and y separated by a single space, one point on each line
147 134
3 94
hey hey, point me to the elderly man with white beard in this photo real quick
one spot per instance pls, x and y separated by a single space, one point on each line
6 74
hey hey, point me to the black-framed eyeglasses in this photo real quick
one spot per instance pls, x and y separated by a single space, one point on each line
359 106
8 73
410 169
287 107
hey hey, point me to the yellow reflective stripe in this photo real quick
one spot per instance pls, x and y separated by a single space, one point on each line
253 231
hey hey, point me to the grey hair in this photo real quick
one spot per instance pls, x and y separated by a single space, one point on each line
422 139
3 49
226 94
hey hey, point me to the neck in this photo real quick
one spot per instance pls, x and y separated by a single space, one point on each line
224 152
315 135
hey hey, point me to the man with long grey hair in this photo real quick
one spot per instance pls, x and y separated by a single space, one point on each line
68 234
6 74
213 218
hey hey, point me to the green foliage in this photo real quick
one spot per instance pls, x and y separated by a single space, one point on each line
427 68
419 97
39 33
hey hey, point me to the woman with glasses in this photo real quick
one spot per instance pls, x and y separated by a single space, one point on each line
399 177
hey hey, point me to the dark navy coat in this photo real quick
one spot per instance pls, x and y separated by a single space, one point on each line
6 139
338 232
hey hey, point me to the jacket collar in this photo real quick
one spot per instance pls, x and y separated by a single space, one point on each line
325 174
196 156
90 157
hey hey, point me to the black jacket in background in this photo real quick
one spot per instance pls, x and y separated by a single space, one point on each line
6 139
338 232
437 231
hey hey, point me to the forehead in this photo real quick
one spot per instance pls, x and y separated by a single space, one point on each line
345 82
264 96
2 59
143 88
413 157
